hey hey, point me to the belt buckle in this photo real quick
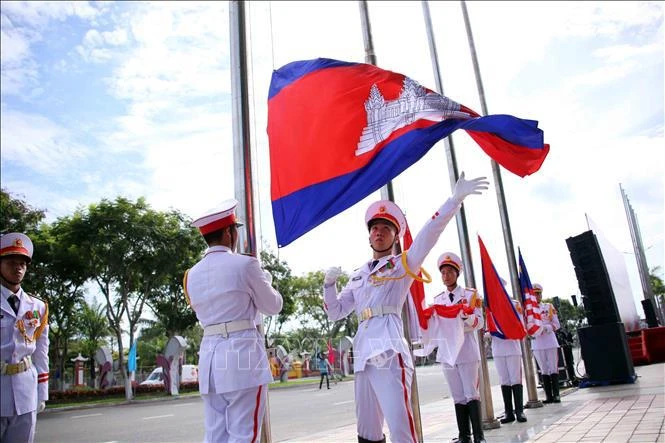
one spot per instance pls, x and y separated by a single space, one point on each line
225 332
366 314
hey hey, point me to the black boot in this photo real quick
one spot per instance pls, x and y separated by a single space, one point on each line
476 421
462 414
507 393
518 392
364 440
555 388
547 387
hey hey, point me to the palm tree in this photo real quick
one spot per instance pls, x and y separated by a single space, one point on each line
94 330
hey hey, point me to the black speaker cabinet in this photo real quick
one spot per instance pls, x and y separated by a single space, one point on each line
597 294
606 354
650 313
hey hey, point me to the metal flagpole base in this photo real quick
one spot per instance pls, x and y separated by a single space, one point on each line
532 404
491 424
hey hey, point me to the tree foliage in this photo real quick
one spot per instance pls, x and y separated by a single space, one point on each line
284 283
18 216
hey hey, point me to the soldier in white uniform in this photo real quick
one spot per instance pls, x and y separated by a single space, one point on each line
464 376
507 355
376 292
228 291
23 344
545 348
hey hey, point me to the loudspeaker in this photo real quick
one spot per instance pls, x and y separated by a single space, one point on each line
650 313
597 294
605 353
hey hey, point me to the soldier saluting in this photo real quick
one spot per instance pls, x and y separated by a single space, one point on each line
23 344
376 292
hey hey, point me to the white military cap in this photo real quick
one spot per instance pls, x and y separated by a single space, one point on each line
450 259
15 243
388 211
537 287
218 218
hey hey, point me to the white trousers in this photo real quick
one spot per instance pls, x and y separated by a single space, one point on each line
548 360
509 368
234 416
385 391
18 428
464 381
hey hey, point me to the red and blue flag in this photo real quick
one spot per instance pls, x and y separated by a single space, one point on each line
339 131
503 320
529 300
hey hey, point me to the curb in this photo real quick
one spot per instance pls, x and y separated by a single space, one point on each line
83 405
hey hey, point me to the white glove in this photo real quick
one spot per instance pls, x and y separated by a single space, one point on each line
332 274
41 406
268 276
464 187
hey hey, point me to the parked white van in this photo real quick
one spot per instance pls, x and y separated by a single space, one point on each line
189 373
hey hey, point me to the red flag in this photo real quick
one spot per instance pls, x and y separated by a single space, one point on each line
418 295
339 131
331 353
503 321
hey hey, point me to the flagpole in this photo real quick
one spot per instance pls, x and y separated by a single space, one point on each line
387 194
489 422
242 158
527 358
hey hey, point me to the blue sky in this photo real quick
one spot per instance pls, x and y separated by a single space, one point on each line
106 99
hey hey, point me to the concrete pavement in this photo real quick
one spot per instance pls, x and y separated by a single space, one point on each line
632 412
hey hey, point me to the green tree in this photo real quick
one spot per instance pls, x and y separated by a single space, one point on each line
284 283
181 250
657 286
18 216
57 276
310 312
126 247
570 317
93 332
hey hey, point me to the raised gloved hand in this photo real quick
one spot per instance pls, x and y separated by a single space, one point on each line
332 274
268 276
41 406
465 187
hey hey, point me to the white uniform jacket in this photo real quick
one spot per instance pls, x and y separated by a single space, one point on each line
506 347
547 339
384 333
470 351
223 287
23 335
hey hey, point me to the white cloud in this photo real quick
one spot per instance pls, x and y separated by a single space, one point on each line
38 144
22 26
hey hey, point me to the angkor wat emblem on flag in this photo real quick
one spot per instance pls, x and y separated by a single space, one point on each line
414 103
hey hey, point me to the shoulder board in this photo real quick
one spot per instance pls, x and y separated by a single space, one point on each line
35 297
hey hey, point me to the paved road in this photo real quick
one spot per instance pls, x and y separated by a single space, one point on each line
295 413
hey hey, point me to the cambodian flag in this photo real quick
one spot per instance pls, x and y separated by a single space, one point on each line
503 321
531 305
338 131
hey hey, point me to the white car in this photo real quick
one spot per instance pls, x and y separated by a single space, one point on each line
189 373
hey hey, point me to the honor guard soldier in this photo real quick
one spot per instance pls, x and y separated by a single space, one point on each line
464 376
545 348
227 291
507 355
23 344
376 292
